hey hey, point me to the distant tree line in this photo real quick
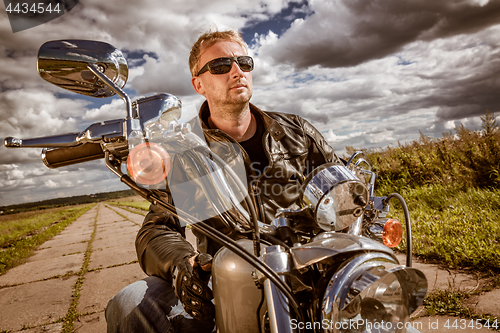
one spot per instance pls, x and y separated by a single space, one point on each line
60 202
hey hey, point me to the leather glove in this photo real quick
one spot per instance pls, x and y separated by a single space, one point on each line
191 286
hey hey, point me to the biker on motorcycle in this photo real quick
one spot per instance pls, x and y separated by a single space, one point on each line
278 150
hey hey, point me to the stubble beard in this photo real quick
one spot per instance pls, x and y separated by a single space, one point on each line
233 107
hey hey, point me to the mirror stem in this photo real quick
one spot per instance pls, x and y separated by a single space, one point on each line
130 112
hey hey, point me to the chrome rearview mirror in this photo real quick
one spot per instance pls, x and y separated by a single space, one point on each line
65 63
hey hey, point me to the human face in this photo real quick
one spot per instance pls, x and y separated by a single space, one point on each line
231 89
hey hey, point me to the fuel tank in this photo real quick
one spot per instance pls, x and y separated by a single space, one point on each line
236 296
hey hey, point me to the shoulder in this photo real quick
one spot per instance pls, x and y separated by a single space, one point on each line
286 119
293 121
306 130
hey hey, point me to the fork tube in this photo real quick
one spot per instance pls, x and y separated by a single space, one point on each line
277 304
278 309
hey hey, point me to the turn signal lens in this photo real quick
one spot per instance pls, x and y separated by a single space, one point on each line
392 233
148 163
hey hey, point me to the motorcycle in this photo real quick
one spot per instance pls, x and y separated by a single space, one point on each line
324 265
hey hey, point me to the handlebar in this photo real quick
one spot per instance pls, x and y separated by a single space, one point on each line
58 157
71 148
54 141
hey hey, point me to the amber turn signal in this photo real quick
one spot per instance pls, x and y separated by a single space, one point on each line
148 163
392 233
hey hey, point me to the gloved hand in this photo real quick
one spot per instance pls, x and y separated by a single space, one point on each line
191 286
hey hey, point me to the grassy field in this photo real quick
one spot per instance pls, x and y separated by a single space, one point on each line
21 233
132 202
459 228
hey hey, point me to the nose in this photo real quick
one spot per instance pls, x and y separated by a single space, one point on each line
236 71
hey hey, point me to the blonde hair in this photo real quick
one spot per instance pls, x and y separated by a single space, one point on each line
208 39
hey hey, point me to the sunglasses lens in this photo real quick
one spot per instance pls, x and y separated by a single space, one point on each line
220 66
223 65
245 63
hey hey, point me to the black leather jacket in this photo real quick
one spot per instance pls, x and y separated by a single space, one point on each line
293 148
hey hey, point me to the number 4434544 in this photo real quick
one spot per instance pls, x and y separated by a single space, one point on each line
470 324
36 8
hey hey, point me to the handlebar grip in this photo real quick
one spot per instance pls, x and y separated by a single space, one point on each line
58 157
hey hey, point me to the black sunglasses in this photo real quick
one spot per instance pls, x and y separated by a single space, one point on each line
223 65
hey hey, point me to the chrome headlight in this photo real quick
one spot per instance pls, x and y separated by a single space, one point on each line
337 196
372 293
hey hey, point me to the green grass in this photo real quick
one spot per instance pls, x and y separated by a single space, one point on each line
21 236
447 302
142 205
457 227
15 226
452 302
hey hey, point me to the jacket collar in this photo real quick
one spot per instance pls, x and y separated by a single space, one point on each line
272 126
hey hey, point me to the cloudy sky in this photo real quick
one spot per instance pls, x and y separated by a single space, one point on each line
366 73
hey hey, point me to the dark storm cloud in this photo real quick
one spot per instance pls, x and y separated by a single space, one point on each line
459 92
348 32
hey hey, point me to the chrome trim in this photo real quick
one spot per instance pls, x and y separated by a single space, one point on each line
340 283
374 230
278 309
379 206
356 227
98 131
356 153
373 177
11 142
281 222
93 133
330 244
276 257
361 160
43 155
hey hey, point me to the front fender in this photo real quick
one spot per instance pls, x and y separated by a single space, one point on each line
330 244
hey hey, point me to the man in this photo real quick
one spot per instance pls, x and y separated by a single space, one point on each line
278 150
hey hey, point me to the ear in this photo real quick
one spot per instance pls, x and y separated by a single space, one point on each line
197 85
